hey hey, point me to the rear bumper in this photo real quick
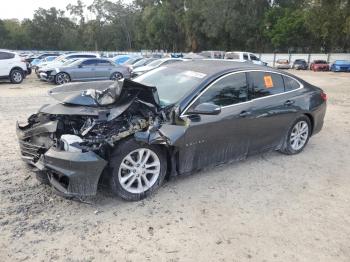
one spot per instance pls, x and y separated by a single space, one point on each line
70 173
318 116
340 69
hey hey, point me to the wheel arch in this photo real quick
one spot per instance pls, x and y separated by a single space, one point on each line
311 118
16 68
170 152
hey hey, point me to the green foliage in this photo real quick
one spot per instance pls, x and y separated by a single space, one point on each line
186 25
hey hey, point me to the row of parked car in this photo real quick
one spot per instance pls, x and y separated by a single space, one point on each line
63 68
316 65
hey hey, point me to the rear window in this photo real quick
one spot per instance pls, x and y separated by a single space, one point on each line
290 84
320 62
265 84
5 55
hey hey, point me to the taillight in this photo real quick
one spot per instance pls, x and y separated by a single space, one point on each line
324 96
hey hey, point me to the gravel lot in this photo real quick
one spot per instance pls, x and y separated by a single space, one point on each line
270 207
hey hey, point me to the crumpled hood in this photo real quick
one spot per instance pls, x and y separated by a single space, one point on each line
90 94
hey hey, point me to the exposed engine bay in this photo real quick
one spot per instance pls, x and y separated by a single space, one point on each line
73 138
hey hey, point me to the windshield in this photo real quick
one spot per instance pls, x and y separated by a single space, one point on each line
156 63
320 62
66 62
60 58
172 83
131 61
141 62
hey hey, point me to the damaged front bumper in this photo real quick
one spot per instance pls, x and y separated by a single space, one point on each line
70 173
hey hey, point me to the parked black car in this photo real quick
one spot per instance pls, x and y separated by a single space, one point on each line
170 121
300 64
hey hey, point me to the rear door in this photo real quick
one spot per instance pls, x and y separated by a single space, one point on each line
103 69
215 139
85 71
273 110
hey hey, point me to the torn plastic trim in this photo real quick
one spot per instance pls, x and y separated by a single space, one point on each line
81 171
23 131
171 135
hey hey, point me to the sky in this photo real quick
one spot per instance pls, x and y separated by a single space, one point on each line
21 9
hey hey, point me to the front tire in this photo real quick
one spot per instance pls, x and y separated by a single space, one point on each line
62 78
137 170
297 137
16 76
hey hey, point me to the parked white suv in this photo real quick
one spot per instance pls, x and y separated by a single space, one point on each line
12 67
244 57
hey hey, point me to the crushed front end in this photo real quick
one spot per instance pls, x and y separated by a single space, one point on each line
70 142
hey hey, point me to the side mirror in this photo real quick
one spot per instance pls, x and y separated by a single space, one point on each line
205 109
80 66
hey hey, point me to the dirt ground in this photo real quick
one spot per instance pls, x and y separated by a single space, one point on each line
270 207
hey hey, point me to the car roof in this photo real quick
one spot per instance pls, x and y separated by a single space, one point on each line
239 52
70 54
94 58
8 51
215 66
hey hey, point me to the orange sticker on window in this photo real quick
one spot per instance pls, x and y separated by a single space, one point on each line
268 81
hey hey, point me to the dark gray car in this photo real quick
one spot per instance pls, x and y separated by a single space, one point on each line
89 69
170 121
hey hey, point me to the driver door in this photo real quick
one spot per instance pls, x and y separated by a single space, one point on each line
214 139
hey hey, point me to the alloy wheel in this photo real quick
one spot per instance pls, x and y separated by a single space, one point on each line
17 77
139 170
116 76
62 79
299 135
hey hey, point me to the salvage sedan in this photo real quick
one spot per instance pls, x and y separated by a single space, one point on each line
170 121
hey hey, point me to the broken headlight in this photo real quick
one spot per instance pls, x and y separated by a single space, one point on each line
71 143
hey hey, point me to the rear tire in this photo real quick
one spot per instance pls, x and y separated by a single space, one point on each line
137 170
297 137
117 76
16 76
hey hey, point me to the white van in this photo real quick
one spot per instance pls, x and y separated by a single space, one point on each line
244 57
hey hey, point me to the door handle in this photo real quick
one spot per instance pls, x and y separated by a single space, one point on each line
245 113
289 102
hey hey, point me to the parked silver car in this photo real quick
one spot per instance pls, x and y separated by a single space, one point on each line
90 69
